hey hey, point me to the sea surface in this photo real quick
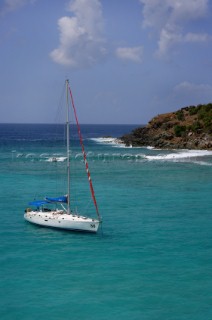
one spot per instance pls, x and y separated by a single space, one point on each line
152 259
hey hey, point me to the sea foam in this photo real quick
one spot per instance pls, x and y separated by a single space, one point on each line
114 142
183 154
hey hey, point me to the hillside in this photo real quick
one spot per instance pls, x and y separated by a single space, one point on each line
187 128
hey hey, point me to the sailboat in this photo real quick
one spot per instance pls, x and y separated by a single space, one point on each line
57 212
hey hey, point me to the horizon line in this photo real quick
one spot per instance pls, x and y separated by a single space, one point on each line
54 123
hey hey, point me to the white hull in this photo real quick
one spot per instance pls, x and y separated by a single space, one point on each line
61 220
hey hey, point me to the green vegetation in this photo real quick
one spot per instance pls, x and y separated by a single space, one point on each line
180 115
202 118
192 110
195 127
204 115
180 131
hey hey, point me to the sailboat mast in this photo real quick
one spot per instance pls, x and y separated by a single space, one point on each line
67 144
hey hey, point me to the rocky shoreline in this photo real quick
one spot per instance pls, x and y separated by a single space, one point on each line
187 128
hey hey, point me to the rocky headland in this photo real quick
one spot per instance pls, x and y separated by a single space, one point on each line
187 128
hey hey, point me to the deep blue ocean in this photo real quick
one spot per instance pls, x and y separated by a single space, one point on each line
151 261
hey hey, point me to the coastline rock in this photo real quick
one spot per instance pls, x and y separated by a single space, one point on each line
187 128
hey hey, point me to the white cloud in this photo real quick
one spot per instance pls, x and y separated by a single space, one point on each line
81 36
130 53
184 10
197 37
188 87
169 17
167 40
158 13
154 13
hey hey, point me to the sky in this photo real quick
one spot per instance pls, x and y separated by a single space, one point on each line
127 60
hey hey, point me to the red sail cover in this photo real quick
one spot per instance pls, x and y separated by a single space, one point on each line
84 154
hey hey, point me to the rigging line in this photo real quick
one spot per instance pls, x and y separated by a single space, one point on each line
84 155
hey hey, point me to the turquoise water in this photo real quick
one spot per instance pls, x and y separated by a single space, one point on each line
153 258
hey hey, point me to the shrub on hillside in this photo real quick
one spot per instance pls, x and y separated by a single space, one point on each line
180 115
193 110
180 131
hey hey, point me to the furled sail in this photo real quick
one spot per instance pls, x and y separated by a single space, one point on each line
63 199
38 203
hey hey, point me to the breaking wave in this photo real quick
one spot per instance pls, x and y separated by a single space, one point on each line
114 142
56 159
184 154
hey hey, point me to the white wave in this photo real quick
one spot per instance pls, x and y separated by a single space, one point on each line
202 163
109 140
114 142
56 159
180 155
